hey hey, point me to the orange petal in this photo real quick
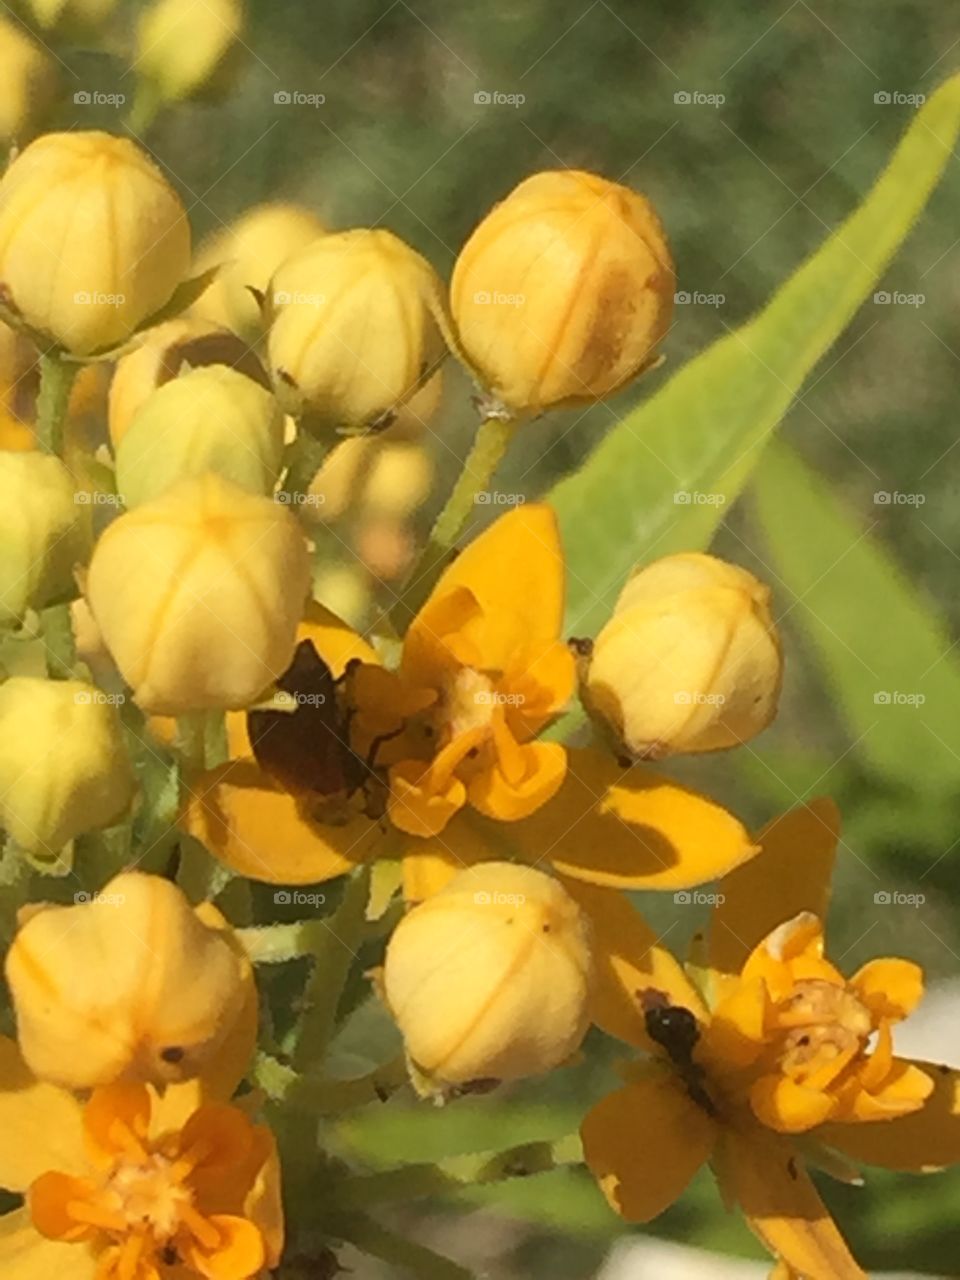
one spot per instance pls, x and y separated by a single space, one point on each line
631 828
629 960
736 1032
335 641
782 1104
239 1254
258 830
905 1090
889 988
520 779
645 1142
420 803
116 1120
48 1199
762 1173
791 874
221 1134
429 865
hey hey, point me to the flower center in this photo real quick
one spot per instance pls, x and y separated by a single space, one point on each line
469 702
151 1194
820 1027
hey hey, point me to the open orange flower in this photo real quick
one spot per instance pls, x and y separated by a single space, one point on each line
761 1041
482 671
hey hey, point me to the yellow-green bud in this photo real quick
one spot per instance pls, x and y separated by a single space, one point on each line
93 239
563 291
64 768
210 419
164 353
251 249
400 479
490 978
198 594
30 81
690 660
352 330
181 44
44 533
72 14
131 983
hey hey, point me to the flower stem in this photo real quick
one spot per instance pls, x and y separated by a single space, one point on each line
491 444
53 399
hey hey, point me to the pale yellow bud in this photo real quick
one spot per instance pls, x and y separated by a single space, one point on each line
563 291
164 353
131 983
352 330
489 979
72 14
690 660
400 479
64 769
44 533
93 239
211 419
183 44
251 249
29 81
197 595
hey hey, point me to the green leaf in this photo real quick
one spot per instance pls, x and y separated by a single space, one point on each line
703 432
889 661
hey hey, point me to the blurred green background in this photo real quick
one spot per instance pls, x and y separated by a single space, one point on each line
747 189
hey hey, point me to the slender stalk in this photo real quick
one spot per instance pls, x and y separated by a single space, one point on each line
53 401
323 1097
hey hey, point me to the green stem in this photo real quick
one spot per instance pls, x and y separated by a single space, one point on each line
412 1259
53 400
324 1097
305 457
59 643
487 453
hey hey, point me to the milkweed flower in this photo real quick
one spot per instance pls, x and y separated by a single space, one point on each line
132 1183
563 291
690 660
249 251
483 670
181 45
209 419
30 81
93 239
762 1056
44 533
130 983
488 980
353 329
64 767
197 595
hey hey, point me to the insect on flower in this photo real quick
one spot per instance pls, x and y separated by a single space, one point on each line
302 738
674 1028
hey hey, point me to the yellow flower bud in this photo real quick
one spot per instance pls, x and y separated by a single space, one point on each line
164 353
30 81
690 660
82 14
131 983
197 595
563 291
181 44
352 330
400 479
93 239
44 533
489 979
64 768
211 419
251 249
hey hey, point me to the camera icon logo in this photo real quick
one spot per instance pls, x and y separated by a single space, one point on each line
482 298
281 298
682 498
882 298
482 899
82 98
881 498
682 298
482 98
882 698
682 698
682 899
282 98
282 898
682 97
882 898
81 896
882 98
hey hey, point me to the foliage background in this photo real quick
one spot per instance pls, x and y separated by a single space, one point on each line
746 190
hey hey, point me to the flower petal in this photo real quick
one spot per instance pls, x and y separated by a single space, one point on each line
422 800
645 1142
429 865
335 641
890 988
259 830
519 780
790 875
762 1173
42 1125
628 961
631 829
26 1255
904 1091
782 1104
239 1254
921 1142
